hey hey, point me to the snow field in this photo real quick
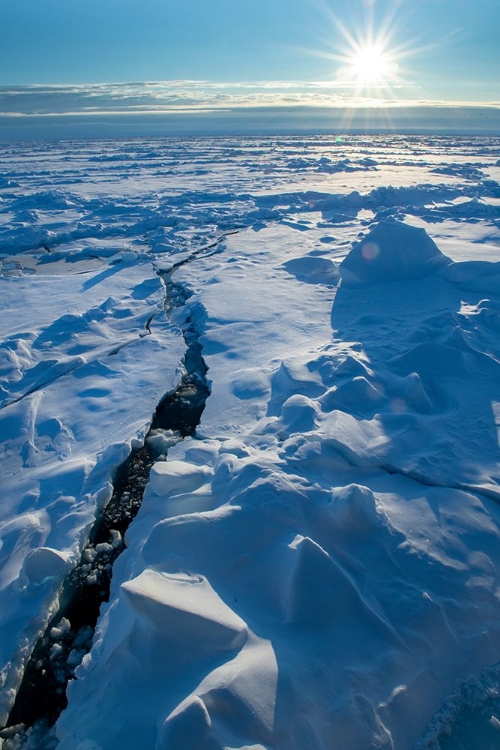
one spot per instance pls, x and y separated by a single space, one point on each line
318 566
79 391
326 505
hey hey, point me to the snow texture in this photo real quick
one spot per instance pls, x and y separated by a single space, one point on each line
318 566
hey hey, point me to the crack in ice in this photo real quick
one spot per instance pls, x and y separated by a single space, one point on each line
68 636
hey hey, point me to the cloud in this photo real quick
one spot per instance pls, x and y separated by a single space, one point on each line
170 96
205 107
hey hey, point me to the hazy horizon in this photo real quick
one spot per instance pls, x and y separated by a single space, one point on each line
290 67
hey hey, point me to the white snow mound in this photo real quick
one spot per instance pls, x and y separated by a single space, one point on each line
185 609
392 251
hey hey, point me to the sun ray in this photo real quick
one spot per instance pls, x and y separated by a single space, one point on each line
369 52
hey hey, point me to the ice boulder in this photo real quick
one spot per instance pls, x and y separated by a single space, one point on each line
187 613
174 477
392 251
42 564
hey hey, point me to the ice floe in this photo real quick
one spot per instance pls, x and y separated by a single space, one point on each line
318 564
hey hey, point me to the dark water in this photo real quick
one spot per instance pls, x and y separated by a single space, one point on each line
42 695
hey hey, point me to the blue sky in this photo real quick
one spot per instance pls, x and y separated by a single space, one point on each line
223 54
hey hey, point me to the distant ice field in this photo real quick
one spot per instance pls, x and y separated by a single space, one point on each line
318 566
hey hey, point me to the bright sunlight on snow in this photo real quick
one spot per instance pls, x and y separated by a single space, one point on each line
249 419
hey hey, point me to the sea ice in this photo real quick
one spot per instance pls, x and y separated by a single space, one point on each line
318 565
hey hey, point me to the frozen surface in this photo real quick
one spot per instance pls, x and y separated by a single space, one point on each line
79 388
319 565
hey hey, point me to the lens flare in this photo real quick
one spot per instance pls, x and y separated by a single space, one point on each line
370 251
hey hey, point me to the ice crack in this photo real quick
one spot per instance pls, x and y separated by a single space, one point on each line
41 697
79 364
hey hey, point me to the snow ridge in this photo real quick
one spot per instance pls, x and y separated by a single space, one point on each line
318 564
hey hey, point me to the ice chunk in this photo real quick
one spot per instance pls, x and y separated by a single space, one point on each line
392 251
172 477
59 630
161 440
44 563
186 610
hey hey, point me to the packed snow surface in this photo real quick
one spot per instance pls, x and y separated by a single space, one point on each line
318 566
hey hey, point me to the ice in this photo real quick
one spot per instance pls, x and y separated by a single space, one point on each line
42 564
77 393
174 477
392 252
185 606
316 566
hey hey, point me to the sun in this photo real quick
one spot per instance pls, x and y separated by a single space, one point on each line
370 65
367 55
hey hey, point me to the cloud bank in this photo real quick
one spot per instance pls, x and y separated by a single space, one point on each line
204 107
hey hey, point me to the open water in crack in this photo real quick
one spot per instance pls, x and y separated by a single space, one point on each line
42 695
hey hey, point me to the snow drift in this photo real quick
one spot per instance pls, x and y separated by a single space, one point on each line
318 566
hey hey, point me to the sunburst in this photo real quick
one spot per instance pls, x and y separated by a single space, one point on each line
368 57
371 66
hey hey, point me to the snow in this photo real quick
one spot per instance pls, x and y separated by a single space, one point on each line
78 391
318 566
392 252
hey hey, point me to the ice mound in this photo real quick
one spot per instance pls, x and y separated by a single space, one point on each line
44 563
475 275
353 511
235 701
392 251
185 609
353 393
313 270
298 413
322 592
176 476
